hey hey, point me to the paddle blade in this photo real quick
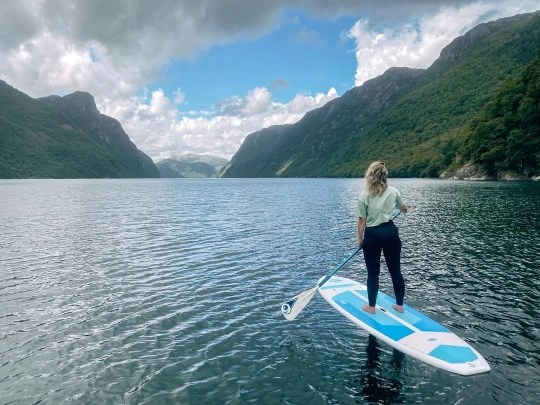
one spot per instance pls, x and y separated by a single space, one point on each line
295 305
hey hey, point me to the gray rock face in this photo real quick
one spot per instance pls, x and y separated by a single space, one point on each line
462 45
468 171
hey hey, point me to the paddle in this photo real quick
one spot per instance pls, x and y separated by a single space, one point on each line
291 308
295 305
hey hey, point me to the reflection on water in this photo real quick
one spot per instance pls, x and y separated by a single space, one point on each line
376 386
169 291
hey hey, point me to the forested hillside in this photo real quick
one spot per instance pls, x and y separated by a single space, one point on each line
506 136
64 137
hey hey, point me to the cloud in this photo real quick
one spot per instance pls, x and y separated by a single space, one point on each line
17 24
50 64
156 126
128 39
418 43
179 96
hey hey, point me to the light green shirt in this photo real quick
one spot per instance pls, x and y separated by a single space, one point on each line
377 210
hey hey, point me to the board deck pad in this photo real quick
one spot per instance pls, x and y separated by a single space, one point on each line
411 332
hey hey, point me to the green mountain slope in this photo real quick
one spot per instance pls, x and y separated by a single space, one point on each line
64 137
419 131
303 149
506 136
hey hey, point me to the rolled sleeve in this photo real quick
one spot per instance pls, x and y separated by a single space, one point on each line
361 211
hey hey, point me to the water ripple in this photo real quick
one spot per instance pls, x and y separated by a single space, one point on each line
168 291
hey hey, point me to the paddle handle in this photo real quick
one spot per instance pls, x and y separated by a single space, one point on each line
344 262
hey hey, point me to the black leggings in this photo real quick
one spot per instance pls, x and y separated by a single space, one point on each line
383 237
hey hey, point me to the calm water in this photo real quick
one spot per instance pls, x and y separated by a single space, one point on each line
168 291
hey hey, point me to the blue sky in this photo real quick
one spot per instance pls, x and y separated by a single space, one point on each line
303 55
186 76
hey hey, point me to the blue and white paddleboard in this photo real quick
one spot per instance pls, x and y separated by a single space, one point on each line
410 332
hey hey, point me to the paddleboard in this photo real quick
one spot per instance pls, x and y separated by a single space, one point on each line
410 332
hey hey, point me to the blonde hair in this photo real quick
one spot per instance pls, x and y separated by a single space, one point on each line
376 178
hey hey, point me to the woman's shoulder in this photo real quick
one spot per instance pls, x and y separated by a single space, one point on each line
391 190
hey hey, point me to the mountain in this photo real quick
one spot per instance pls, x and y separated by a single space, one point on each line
191 166
416 120
302 149
64 137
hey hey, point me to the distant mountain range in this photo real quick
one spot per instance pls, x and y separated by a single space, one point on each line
64 137
191 165
422 122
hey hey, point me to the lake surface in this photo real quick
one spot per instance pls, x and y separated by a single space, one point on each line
169 291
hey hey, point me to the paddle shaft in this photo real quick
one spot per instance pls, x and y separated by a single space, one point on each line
343 263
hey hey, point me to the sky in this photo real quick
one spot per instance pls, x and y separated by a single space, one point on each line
198 76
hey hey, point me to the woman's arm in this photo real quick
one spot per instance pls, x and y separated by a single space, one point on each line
361 226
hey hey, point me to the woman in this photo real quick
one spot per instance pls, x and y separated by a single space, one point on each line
377 233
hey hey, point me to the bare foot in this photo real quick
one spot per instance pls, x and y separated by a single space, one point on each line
369 309
398 308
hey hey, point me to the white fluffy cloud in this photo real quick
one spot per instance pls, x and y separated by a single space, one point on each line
99 43
418 43
157 128
52 64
